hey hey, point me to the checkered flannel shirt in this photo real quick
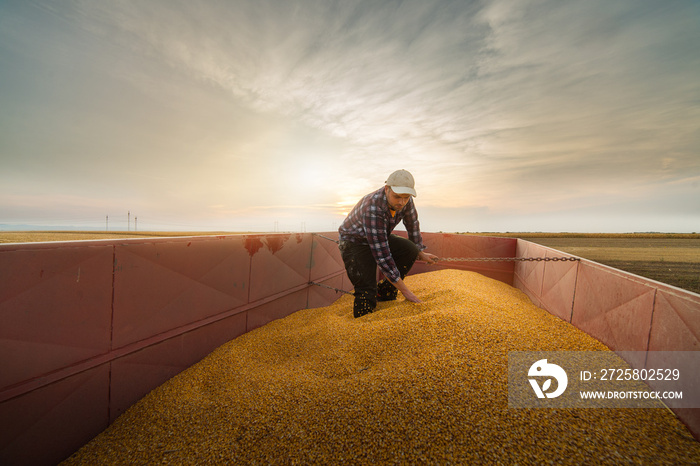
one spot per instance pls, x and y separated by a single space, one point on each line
370 222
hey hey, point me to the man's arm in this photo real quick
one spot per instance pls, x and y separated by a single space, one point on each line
408 294
410 221
401 286
427 257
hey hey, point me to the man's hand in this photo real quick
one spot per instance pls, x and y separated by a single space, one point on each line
427 257
408 294
411 297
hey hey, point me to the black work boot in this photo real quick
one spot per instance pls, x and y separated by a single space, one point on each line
386 291
364 304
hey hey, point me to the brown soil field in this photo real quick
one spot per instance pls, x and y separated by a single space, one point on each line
666 257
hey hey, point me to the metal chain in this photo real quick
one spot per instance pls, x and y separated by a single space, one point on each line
521 259
337 290
326 237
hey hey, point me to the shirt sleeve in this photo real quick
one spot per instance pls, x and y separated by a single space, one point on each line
410 220
378 239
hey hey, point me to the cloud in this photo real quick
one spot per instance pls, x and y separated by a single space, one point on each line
416 72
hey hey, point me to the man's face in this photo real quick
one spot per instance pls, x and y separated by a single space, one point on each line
396 201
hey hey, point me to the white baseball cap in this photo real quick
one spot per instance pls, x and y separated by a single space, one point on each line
401 182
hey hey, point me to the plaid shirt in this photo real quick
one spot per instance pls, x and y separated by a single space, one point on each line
370 222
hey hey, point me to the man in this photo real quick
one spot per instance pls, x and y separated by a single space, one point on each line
366 241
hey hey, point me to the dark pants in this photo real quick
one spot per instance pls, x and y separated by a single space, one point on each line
362 271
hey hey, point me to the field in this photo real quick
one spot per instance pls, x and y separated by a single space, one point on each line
668 258
38 236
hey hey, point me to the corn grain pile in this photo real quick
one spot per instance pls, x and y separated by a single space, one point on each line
409 383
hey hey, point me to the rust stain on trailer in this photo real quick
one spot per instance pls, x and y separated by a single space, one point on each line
253 245
275 243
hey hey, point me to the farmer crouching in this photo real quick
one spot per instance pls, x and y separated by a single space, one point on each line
366 242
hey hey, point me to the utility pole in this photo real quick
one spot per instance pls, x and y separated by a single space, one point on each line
107 223
128 220
136 219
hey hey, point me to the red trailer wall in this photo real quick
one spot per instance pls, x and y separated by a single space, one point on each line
89 327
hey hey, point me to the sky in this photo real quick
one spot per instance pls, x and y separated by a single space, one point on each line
512 115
